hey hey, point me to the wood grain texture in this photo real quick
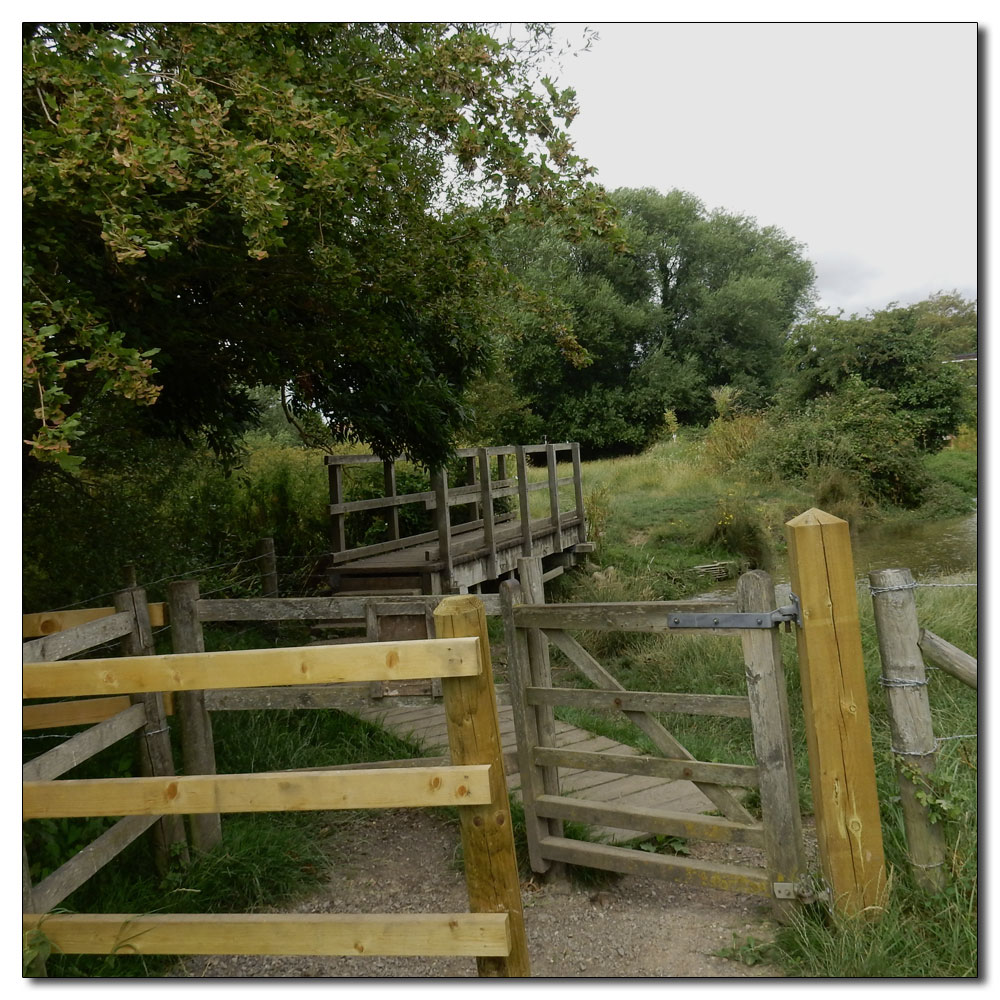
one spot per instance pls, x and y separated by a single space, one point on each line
292 791
76 639
253 668
835 700
910 723
487 832
469 934
48 622
952 660
772 740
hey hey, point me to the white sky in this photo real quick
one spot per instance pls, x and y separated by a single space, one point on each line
858 140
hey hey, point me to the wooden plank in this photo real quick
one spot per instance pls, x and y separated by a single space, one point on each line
47 622
463 934
949 658
66 879
727 705
442 523
197 744
524 508
578 492
910 723
84 745
338 534
406 660
662 739
379 503
670 824
389 484
491 872
75 640
72 713
706 874
550 462
835 700
486 501
267 792
639 616
772 740
335 696
525 725
659 767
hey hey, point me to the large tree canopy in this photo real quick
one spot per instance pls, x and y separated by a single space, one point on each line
692 300
213 207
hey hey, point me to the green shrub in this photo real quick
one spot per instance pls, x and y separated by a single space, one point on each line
856 430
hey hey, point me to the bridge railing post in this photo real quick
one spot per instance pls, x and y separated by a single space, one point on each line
551 462
578 493
442 522
389 477
527 543
486 505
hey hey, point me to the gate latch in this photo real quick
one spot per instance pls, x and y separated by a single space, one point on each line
741 619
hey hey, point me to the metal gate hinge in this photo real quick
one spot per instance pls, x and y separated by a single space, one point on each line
740 619
802 891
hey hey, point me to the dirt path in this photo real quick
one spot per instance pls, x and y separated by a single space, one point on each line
405 861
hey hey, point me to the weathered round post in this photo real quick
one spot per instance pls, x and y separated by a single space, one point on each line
913 743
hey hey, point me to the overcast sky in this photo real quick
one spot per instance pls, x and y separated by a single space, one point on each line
859 140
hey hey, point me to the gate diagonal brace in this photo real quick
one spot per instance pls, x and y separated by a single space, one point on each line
742 619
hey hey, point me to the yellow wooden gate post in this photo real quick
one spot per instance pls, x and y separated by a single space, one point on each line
835 699
474 738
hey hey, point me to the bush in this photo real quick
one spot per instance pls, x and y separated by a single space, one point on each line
855 430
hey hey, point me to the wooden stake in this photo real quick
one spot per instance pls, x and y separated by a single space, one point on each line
487 836
156 757
913 743
197 745
835 699
264 553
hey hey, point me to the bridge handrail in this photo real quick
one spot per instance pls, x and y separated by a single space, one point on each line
479 491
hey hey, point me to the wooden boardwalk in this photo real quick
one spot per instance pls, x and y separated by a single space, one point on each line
426 725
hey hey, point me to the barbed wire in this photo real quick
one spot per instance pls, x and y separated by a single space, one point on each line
914 586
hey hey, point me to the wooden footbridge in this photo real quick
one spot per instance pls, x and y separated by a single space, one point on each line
474 555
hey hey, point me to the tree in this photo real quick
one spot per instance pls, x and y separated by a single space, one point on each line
951 320
685 301
889 349
214 207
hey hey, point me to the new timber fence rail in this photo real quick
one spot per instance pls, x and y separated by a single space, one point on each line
493 930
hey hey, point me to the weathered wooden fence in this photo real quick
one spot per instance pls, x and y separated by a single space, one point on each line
459 556
903 648
493 930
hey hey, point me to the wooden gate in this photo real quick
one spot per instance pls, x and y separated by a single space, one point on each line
531 626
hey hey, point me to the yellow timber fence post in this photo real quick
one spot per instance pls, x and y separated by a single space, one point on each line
835 702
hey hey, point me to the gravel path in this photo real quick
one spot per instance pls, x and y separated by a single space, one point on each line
405 861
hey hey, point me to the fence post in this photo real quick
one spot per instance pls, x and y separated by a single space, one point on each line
539 674
487 833
527 542
197 747
442 522
156 757
913 743
581 531
553 470
835 700
779 793
264 554
338 537
486 506
389 479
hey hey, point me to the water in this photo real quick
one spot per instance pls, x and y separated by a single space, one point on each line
928 549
